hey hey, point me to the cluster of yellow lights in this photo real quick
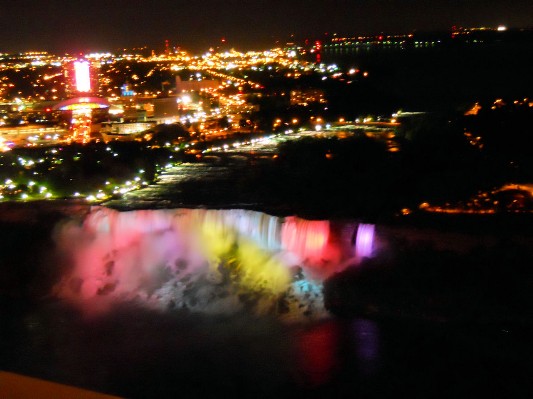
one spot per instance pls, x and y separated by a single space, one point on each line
82 106
483 203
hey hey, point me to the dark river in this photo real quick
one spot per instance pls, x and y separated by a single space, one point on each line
140 354
436 77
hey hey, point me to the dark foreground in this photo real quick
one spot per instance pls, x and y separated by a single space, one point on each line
137 354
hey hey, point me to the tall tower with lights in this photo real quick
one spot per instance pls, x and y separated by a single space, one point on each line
81 90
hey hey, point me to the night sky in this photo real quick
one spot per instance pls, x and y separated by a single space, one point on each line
195 25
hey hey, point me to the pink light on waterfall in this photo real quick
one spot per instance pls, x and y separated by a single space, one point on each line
364 240
83 77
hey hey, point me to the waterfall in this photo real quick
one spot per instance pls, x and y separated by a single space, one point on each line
204 260
364 240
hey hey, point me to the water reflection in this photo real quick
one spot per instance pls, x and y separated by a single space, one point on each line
367 345
319 350
329 348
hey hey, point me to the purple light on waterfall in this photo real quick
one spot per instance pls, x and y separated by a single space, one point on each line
364 240
367 345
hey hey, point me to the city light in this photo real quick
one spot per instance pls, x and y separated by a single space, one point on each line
83 79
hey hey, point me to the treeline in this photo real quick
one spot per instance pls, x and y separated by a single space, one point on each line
359 176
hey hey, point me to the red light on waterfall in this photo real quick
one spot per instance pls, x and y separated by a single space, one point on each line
316 240
306 238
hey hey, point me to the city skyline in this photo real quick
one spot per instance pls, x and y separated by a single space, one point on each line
77 26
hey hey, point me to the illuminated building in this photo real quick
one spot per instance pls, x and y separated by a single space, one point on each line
126 90
113 131
80 81
29 136
304 97
82 87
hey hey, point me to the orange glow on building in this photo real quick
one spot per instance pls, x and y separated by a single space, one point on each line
81 126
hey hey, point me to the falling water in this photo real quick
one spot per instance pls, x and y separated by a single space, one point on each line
365 241
211 261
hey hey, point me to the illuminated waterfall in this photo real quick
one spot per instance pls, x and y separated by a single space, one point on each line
211 261
364 240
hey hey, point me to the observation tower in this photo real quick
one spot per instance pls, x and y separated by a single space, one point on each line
83 100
